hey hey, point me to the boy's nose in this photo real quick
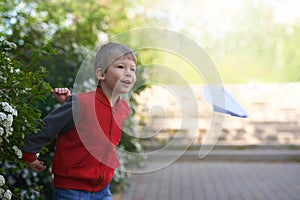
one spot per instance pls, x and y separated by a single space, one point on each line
127 72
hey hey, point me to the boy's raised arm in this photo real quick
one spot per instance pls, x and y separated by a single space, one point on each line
61 94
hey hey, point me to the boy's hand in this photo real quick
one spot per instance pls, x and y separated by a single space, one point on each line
36 165
61 94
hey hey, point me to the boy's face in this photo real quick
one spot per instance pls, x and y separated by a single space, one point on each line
120 76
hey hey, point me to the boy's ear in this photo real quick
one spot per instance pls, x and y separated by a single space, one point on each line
100 74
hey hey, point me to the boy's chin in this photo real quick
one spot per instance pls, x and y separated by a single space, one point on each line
123 91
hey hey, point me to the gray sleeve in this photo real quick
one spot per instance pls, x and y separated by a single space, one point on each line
56 122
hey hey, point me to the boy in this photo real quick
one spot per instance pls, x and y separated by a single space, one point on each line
88 127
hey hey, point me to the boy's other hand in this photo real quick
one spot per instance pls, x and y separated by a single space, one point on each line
36 166
61 94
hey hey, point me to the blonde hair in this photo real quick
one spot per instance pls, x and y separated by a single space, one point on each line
110 52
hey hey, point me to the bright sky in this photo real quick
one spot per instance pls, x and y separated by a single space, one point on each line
221 13
285 11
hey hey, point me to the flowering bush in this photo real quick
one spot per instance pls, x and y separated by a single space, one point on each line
22 87
7 114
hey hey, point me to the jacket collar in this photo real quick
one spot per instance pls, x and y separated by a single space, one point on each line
100 96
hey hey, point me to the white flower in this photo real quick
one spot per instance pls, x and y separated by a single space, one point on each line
17 71
7 124
17 151
9 45
7 195
10 119
1 131
9 108
9 131
2 180
1 192
14 112
3 116
11 70
4 79
4 104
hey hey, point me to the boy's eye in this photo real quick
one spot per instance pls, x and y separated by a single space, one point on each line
120 66
133 69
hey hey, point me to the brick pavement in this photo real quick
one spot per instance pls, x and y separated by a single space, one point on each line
206 180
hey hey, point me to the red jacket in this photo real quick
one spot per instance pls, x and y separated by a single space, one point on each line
85 156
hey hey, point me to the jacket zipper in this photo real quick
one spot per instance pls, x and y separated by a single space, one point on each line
110 129
111 121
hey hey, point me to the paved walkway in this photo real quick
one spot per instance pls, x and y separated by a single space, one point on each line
207 180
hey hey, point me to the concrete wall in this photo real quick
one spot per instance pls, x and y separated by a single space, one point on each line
165 112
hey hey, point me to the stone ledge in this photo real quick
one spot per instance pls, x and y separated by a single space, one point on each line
256 155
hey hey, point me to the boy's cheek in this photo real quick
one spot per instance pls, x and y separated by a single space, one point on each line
134 82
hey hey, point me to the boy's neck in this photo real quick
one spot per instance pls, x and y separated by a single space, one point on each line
113 99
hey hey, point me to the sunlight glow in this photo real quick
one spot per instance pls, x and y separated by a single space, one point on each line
285 12
219 16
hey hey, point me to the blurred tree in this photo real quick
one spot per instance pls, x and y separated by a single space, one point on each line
244 38
258 49
72 28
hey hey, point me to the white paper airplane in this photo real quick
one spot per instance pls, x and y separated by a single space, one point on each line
223 101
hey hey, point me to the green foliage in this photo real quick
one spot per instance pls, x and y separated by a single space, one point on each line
258 49
22 86
252 41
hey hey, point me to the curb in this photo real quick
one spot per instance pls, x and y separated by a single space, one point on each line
253 155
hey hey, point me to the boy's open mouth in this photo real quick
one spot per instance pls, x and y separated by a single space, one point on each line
127 82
